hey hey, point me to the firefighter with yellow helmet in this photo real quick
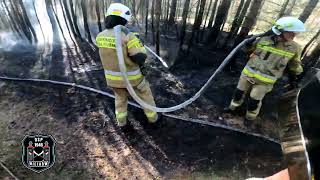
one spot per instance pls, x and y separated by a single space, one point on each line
134 57
271 56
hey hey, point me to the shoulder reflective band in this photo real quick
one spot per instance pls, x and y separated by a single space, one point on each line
106 42
117 76
273 50
135 42
262 77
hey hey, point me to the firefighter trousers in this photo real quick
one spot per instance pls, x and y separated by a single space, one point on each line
257 90
121 102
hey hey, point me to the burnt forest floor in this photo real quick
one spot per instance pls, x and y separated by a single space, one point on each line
89 145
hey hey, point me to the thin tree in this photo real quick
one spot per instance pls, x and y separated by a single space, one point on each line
313 58
308 10
184 21
312 40
146 19
236 27
152 23
98 15
220 18
20 22
197 23
213 13
207 14
251 18
12 20
289 9
283 8
66 15
172 12
41 28
157 23
236 21
27 21
74 19
85 20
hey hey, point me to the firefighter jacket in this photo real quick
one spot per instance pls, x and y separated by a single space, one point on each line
131 46
269 60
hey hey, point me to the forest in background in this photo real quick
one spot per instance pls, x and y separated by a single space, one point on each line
209 23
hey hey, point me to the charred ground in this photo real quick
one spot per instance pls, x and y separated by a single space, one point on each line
89 145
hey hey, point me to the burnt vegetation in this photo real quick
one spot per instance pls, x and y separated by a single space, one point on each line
55 39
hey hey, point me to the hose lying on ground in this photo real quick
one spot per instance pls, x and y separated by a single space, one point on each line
193 120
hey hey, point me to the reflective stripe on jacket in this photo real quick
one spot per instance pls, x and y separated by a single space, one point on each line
258 75
117 76
131 46
269 60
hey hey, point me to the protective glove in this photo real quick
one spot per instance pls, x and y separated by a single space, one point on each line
143 70
294 81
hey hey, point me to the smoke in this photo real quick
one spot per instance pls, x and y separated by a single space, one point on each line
9 40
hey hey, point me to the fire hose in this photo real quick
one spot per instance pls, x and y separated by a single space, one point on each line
122 66
90 89
187 119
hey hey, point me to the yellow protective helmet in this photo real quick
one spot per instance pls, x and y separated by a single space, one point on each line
118 9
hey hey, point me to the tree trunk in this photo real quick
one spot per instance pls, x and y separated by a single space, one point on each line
197 23
313 58
27 21
178 9
98 15
241 17
15 24
184 21
283 8
20 22
34 7
158 14
220 18
57 20
173 11
308 10
85 20
251 18
207 15
307 46
289 9
152 23
133 10
68 17
235 22
74 19
213 13
205 21
146 19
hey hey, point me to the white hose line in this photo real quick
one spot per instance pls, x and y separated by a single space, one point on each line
303 140
187 119
158 57
8 171
122 66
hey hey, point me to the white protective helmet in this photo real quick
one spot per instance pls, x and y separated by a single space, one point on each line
290 24
118 9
